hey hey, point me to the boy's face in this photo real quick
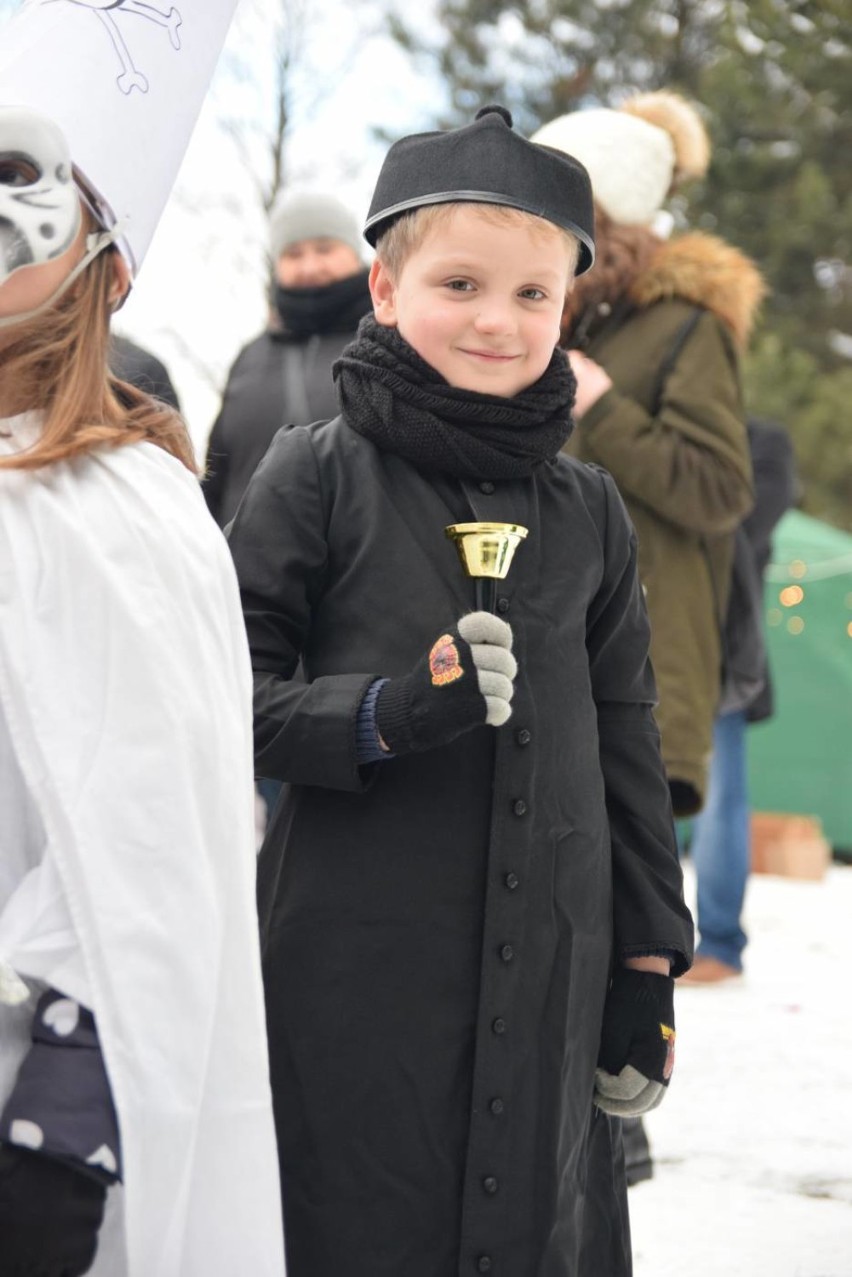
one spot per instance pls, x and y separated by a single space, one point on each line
479 300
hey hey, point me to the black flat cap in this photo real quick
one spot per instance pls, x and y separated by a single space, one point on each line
485 163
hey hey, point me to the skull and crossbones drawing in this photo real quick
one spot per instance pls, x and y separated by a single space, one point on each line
131 77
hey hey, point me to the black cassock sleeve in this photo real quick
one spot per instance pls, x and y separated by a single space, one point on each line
648 908
304 732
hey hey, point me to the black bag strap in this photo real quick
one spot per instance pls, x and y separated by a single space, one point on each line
681 337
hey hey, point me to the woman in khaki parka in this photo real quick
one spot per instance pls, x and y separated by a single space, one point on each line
655 331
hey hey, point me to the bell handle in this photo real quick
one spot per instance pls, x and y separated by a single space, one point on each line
486 594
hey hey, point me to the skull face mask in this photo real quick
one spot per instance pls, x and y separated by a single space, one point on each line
39 203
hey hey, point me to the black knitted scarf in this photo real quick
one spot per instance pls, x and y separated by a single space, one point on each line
331 308
394 398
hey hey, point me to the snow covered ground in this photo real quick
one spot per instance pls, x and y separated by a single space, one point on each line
753 1144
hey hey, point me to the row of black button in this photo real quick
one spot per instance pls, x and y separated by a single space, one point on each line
497 1106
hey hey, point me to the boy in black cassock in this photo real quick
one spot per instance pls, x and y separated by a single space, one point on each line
470 895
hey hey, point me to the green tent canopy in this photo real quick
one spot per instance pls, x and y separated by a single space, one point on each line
801 759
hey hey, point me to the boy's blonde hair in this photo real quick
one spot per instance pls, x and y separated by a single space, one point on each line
395 245
57 364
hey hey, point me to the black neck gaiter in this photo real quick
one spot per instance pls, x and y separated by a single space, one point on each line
333 308
394 398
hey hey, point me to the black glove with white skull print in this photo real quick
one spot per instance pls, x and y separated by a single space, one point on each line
637 1043
465 681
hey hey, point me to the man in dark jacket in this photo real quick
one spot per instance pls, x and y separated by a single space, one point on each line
142 369
283 377
470 897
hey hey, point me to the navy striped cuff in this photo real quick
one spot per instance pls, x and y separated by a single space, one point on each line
367 747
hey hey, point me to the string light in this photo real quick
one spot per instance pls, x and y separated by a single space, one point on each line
785 576
840 566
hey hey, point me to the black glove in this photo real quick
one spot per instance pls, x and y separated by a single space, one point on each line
463 682
49 1215
637 1043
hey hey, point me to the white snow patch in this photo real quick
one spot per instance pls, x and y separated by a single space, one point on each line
753 1144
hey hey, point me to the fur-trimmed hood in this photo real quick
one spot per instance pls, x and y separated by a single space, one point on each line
703 269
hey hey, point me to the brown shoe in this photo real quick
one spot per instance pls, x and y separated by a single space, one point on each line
709 971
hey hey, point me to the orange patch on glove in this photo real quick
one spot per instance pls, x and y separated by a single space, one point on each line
444 664
669 1037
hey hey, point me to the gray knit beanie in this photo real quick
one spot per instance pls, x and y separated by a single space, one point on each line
298 215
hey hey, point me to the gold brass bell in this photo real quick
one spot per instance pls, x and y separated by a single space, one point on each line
486 551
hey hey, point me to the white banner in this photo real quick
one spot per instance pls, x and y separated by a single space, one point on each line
125 81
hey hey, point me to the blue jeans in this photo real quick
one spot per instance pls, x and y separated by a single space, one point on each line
720 846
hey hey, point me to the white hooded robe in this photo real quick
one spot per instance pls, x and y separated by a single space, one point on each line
127 864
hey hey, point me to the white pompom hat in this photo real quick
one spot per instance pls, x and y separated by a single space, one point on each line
636 154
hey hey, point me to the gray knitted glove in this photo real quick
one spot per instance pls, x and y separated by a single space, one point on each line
637 1043
490 642
464 681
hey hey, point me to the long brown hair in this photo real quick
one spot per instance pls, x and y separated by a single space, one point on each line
57 365
622 254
